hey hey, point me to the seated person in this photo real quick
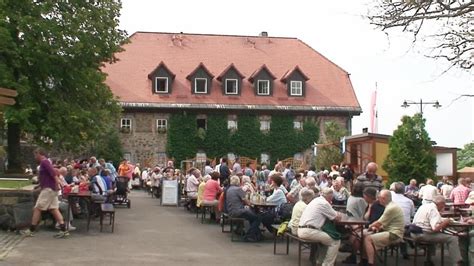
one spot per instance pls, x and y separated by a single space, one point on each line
237 206
340 193
99 188
356 204
388 229
277 197
293 195
428 217
247 185
306 196
212 190
192 183
314 216
201 188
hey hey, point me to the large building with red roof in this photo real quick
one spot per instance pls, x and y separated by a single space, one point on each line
161 73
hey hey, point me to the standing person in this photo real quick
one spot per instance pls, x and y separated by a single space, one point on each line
237 168
370 177
428 191
111 167
248 171
460 193
48 197
224 173
208 168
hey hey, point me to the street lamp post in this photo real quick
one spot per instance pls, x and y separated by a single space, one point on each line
421 103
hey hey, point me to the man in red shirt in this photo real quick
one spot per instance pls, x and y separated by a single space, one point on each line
48 197
460 192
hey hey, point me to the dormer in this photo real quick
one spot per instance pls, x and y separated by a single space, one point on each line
200 79
262 80
231 80
295 81
161 79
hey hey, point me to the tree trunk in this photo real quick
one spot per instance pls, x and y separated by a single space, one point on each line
13 138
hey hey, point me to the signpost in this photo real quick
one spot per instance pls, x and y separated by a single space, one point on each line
5 94
169 192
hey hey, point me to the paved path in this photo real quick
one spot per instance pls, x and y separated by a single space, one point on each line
148 234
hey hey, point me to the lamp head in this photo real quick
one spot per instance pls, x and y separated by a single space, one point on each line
405 104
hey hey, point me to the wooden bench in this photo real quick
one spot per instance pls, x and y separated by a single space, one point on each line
423 245
107 208
232 221
288 235
205 208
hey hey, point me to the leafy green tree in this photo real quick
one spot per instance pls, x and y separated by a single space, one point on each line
329 152
410 153
51 52
466 156
109 147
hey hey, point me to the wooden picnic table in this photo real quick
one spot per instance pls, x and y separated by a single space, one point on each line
355 224
460 229
87 196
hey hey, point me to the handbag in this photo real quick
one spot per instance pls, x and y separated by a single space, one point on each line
330 228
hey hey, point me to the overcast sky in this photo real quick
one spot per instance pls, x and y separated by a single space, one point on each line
340 31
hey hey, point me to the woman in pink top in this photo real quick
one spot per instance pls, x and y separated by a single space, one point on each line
212 190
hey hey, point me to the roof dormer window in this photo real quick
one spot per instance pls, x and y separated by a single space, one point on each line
200 85
231 79
231 86
200 80
161 79
262 80
161 85
295 82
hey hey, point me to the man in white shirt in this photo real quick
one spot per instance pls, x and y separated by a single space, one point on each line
428 191
408 208
429 219
312 220
192 183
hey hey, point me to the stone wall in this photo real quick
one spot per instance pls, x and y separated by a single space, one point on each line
144 144
15 208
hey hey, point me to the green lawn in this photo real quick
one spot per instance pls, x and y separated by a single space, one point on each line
14 184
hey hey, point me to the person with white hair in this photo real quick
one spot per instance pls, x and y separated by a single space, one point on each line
428 191
236 206
388 229
314 216
247 186
306 196
428 217
340 193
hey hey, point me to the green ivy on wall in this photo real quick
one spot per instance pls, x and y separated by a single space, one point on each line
282 141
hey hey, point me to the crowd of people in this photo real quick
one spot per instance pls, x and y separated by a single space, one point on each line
304 200
311 196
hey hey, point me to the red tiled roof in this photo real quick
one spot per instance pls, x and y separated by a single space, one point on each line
328 86
288 74
201 65
231 66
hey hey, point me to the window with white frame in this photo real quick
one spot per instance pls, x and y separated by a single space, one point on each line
161 124
232 124
231 86
126 124
296 88
161 85
263 87
298 125
200 85
264 125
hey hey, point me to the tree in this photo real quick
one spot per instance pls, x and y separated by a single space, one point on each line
51 52
410 153
452 19
329 152
466 156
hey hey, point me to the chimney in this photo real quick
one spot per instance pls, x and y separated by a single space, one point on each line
263 34
365 130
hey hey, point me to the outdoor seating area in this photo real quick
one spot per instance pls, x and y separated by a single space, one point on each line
262 215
